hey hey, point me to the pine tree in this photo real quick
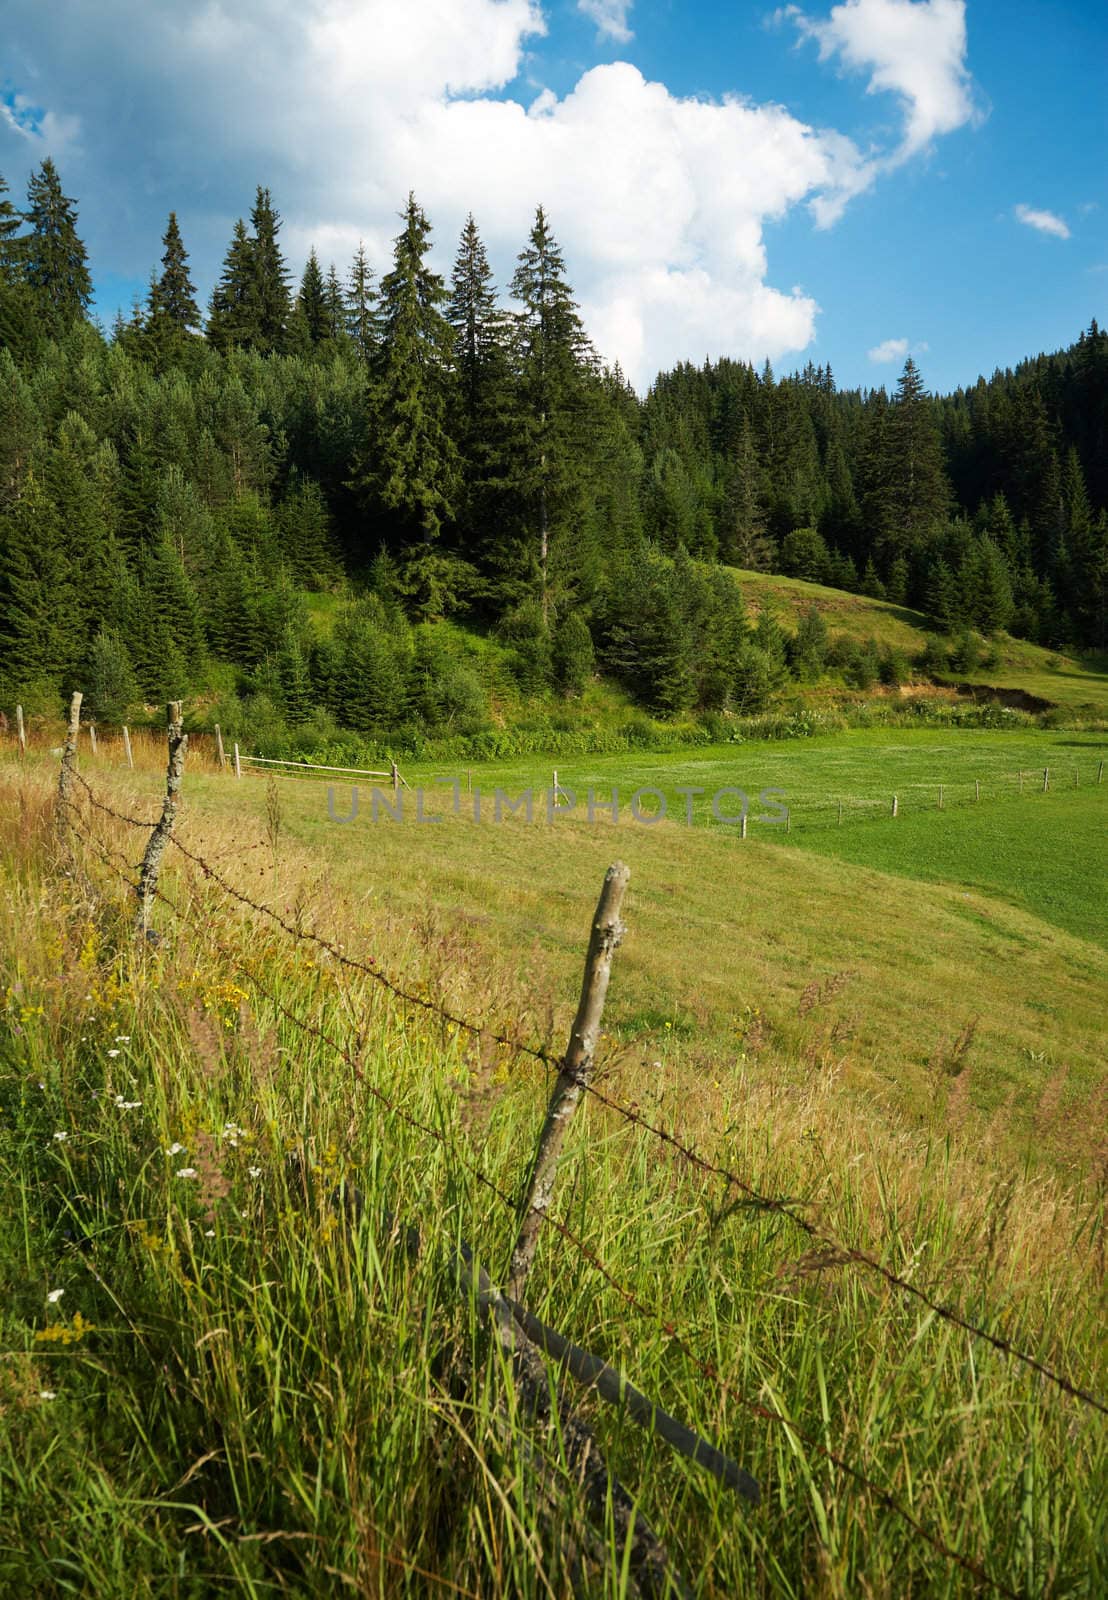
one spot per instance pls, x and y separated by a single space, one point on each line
413 474
39 626
54 259
943 597
919 492
173 296
10 253
334 305
553 353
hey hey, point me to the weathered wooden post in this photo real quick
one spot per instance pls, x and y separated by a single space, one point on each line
977 788
789 820
21 732
1021 783
894 805
220 756
69 757
394 773
742 825
554 786
1046 779
127 747
178 741
576 1070
940 797
1100 773
92 737
238 763
840 813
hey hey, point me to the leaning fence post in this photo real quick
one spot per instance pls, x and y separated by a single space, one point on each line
1100 773
21 732
69 756
238 763
92 737
155 846
573 1079
894 805
1046 779
219 748
127 747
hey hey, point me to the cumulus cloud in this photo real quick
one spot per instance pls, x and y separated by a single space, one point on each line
342 106
889 350
915 49
610 17
1043 221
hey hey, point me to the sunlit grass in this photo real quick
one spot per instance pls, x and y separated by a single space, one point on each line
263 1397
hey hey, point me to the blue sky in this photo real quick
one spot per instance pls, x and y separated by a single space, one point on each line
842 183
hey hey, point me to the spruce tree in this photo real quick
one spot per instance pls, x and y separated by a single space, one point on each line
413 473
312 300
552 353
54 259
231 320
10 254
361 305
919 492
334 305
268 291
173 296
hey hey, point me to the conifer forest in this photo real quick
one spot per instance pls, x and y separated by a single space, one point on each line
177 492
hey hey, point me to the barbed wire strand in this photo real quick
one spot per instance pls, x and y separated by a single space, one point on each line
765 1413
628 1114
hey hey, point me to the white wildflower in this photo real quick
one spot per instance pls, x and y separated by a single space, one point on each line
186 1172
255 1172
209 1233
126 1105
113 1052
54 1296
123 1038
48 1394
60 1136
174 1149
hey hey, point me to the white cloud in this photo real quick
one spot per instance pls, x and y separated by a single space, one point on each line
912 48
1043 221
342 106
610 17
889 350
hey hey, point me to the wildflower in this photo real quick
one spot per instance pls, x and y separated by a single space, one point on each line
255 1172
54 1296
209 1233
113 1052
174 1149
47 1394
60 1136
123 1038
126 1105
186 1172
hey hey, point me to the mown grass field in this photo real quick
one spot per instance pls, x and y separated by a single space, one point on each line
1077 685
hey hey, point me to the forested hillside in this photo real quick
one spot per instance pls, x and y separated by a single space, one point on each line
175 492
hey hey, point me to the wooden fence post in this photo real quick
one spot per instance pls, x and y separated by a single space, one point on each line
1046 779
238 763
894 805
69 756
21 732
840 813
1021 783
977 788
394 774
178 741
127 747
1100 773
219 748
92 737
789 820
573 1079
940 797
742 825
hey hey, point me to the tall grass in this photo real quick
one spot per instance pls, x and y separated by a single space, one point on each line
246 1386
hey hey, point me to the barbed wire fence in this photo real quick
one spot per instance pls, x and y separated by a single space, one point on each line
526 1332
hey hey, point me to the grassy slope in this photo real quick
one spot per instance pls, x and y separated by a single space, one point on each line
1076 685
262 1405
725 928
